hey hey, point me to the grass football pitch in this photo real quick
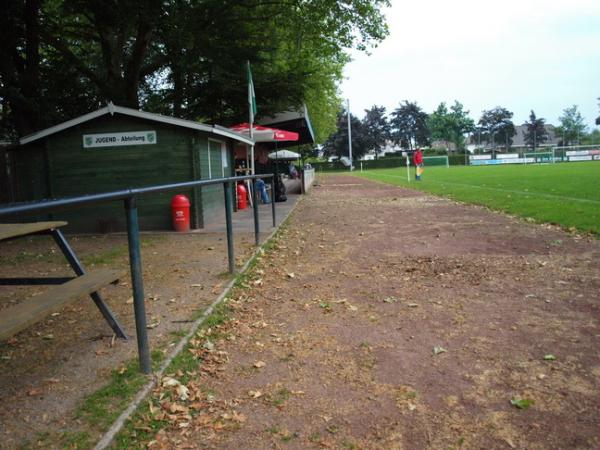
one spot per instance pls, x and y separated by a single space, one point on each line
566 194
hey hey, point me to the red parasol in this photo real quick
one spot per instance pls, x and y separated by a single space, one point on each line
265 134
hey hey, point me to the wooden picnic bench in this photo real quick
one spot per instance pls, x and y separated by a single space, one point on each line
65 291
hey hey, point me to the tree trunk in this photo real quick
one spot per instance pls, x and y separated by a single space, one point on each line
21 75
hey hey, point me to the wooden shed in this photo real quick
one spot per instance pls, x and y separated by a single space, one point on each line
117 148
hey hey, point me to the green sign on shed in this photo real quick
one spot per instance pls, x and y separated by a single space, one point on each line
117 148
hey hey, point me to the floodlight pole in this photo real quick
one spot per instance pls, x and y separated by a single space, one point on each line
349 134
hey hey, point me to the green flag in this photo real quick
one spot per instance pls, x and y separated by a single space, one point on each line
251 96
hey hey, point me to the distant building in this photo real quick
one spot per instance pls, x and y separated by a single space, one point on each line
441 144
389 147
519 137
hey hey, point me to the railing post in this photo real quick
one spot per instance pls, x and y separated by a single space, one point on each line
273 200
256 224
229 225
137 282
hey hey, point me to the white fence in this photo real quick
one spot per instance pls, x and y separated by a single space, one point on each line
308 177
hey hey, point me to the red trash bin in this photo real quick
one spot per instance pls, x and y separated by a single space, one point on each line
242 196
180 211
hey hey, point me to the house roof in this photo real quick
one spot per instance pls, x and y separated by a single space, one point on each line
113 109
520 130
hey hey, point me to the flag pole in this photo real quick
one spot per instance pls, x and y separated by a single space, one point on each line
251 112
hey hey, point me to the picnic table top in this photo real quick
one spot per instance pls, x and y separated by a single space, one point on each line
12 230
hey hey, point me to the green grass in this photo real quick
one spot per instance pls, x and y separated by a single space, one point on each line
106 257
101 408
563 194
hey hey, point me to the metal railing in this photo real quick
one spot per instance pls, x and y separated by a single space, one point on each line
129 197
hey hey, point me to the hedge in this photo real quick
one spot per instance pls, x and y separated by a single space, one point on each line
381 163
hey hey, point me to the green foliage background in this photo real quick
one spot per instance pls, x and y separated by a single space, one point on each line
64 58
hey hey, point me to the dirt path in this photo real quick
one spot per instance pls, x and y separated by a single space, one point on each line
48 369
386 318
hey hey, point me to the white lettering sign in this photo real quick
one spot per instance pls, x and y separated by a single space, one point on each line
119 139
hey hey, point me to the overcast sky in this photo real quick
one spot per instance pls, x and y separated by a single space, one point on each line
522 55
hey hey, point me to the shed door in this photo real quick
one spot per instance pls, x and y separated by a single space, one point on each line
217 159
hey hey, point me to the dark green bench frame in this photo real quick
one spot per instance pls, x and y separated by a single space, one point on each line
67 289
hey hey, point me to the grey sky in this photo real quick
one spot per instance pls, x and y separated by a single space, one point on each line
522 55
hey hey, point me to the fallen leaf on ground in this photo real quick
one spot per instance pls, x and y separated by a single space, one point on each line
259 364
255 394
152 325
183 392
438 350
170 382
549 357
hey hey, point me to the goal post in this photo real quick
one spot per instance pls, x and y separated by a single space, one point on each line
540 157
436 161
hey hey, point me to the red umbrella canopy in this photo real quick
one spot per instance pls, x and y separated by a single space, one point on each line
265 134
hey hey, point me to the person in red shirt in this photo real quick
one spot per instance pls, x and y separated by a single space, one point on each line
418 160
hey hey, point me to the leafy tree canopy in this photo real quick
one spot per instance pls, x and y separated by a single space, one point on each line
450 126
498 126
409 125
535 131
572 125
62 58
376 129
337 143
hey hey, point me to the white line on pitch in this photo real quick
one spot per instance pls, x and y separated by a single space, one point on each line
510 191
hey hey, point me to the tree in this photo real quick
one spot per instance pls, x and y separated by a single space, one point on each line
376 129
20 65
409 125
337 143
497 126
450 126
439 124
572 125
183 58
535 131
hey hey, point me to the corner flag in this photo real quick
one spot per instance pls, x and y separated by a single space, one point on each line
251 96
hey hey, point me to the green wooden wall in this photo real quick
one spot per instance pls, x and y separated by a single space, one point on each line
59 166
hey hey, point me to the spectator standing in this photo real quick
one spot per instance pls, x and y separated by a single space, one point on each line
418 160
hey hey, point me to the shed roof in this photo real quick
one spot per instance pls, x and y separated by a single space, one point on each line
112 109
296 121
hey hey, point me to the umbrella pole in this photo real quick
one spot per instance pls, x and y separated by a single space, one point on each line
276 184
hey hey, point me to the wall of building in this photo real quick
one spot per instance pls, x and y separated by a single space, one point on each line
59 166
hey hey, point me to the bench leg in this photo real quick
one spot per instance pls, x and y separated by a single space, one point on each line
64 246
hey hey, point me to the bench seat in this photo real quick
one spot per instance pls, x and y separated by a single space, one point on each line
13 230
34 309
